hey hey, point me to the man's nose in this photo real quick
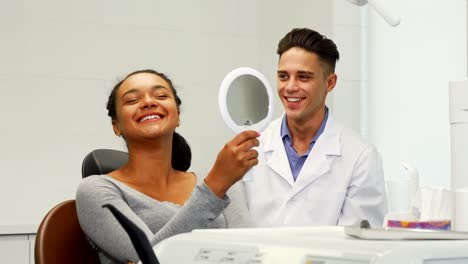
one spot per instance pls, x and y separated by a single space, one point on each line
292 85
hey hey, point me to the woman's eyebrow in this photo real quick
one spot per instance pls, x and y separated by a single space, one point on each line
135 90
129 92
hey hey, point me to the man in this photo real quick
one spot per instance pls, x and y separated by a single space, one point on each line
312 170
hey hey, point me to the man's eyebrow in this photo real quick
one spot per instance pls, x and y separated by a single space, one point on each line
299 72
157 87
306 72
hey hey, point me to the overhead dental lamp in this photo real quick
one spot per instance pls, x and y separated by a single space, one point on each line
391 19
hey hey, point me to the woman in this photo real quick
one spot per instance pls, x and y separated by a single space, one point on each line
154 189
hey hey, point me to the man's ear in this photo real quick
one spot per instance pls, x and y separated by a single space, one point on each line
116 128
331 81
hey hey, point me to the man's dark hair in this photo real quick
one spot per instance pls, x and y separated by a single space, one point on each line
314 42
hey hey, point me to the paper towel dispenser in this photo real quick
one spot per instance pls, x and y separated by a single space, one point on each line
458 105
458 96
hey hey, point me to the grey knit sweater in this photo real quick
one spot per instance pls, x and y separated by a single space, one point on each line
159 220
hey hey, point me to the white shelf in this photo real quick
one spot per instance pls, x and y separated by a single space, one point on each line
18 229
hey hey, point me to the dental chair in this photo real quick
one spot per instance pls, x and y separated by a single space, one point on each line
59 237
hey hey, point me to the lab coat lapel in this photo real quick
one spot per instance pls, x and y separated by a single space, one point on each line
321 157
275 154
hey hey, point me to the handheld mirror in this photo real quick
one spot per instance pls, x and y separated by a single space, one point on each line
246 101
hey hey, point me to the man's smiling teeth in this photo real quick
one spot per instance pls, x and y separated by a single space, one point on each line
150 117
293 99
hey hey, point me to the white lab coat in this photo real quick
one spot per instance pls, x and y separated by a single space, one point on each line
341 182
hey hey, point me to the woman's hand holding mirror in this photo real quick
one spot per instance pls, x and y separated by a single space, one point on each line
233 161
246 102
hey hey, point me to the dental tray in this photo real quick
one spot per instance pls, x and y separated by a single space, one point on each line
392 233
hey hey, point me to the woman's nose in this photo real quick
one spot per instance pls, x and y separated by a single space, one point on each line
148 101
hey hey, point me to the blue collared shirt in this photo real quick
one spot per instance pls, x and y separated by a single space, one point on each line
295 161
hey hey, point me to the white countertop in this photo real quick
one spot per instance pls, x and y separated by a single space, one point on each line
21 229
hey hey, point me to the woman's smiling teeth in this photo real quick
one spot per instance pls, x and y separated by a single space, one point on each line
150 117
293 99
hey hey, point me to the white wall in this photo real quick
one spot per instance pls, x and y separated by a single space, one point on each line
59 60
409 70
349 32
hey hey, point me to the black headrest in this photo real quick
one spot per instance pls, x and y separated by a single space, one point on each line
103 161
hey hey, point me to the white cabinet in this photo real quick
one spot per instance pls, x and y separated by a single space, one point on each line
32 240
17 244
15 249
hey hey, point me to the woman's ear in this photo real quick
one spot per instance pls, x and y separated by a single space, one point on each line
115 127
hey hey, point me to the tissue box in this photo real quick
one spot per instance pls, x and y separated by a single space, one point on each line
435 225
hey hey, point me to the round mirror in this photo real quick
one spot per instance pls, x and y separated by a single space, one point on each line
245 100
